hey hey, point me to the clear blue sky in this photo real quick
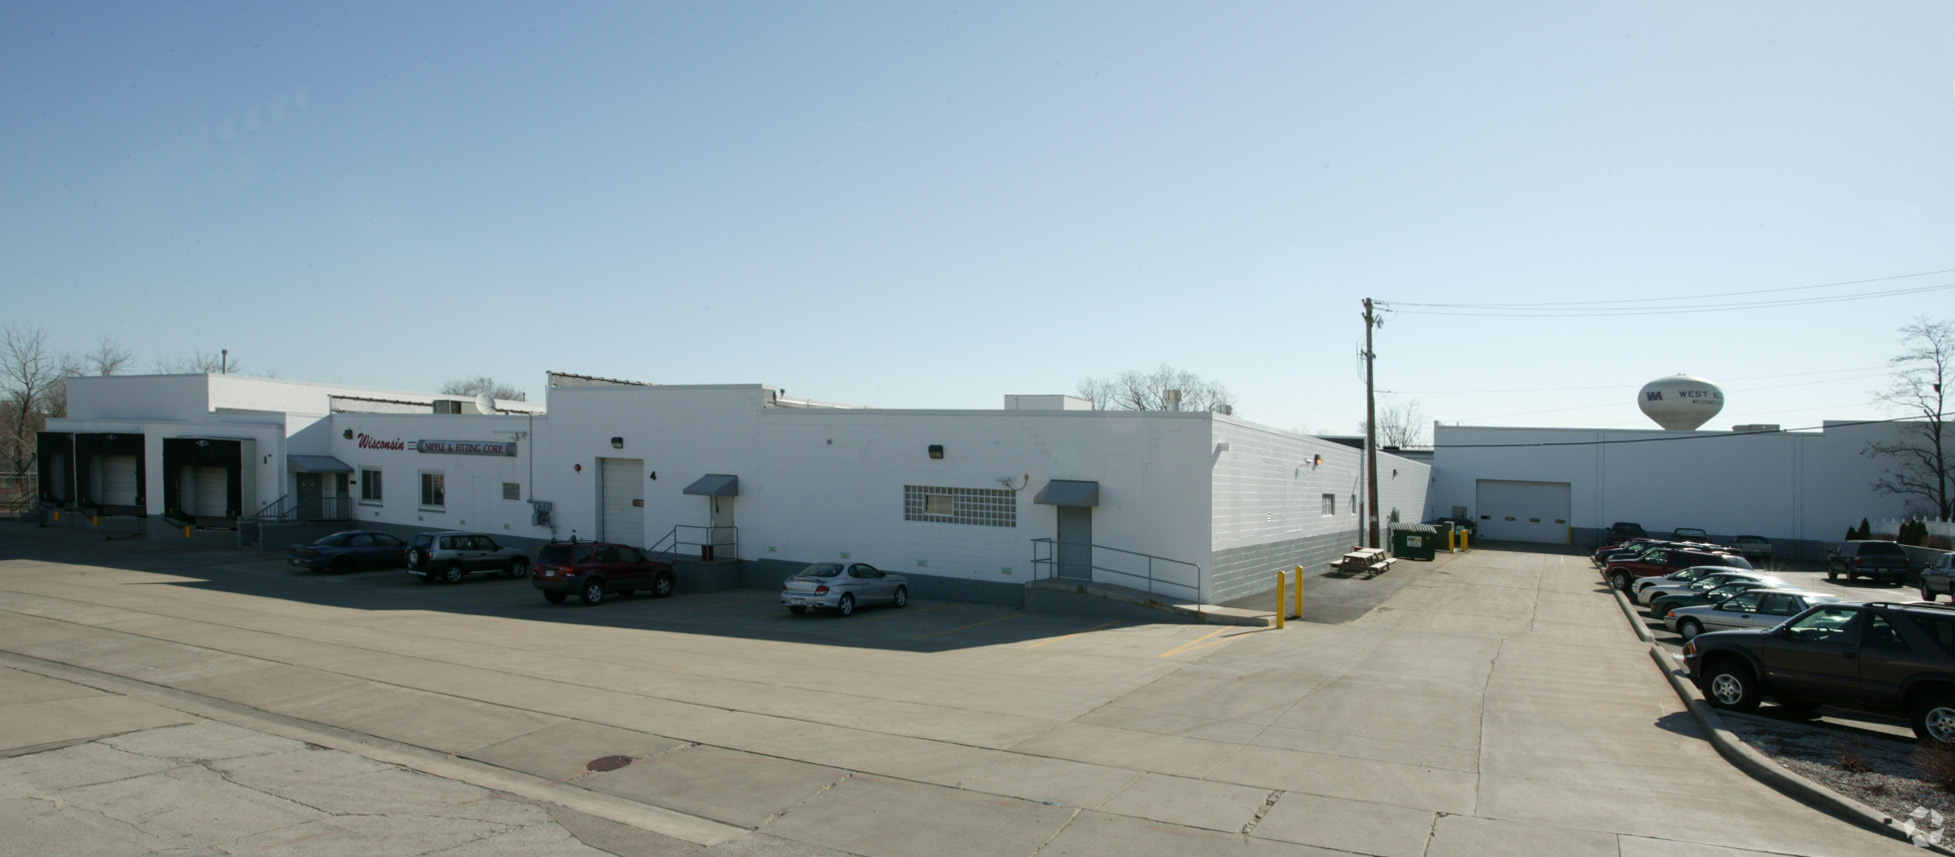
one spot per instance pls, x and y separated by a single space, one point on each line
911 206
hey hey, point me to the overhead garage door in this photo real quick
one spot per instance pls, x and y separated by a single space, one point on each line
116 480
623 498
203 490
1523 511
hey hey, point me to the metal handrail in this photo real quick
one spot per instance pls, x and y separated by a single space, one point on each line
1049 562
715 538
339 508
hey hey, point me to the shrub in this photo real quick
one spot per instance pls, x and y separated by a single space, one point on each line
1866 530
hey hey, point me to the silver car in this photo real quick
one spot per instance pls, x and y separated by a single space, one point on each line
843 587
1685 575
1709 582
1759 608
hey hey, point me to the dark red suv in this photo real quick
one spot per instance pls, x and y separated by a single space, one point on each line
1656 562
596 569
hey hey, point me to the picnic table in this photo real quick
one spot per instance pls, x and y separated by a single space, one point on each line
1366 561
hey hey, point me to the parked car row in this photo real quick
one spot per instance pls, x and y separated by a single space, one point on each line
1756 548
593 571
1622 567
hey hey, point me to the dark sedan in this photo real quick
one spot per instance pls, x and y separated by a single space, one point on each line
352 550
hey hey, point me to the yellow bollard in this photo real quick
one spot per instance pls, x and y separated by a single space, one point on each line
1279 599
186 532
1299 592
1465 541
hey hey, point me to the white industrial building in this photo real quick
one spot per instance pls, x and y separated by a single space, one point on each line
971 504
1801 489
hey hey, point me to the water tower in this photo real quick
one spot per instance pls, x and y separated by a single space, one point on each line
1680 402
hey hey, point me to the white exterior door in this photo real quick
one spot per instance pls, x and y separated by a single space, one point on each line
621 492
1523 511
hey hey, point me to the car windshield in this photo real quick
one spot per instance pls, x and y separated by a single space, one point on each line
822 569
334 540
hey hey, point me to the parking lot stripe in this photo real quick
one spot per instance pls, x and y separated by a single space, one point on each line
1190 644
965 627
897 614
1077 633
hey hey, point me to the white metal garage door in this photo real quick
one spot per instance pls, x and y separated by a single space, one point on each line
622 494
203 490
115 480
1523 511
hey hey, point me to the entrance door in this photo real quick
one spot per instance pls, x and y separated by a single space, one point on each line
722 517
308 494
1075 542
621 496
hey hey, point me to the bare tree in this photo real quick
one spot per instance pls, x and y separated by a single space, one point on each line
196 362
1402 425
1153 391
1918 465
476 385
108 358
30 372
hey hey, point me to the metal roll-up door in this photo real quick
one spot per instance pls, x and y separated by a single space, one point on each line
622 491
1523 511
212 491
118 480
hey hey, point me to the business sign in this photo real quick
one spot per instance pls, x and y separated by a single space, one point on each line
469 447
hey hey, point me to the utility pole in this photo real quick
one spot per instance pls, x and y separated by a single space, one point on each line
1371 320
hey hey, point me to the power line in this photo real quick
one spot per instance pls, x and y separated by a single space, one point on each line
1564 311
1693 436
1613 386
1535 305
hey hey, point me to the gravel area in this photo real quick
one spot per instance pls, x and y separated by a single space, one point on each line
1894 777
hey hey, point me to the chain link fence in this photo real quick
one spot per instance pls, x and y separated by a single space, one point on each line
19 496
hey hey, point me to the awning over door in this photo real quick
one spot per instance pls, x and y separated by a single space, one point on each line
316 464
715 485
1067 492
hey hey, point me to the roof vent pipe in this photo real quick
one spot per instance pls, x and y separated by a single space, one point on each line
1173 398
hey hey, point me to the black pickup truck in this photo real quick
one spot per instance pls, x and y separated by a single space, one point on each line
1881 560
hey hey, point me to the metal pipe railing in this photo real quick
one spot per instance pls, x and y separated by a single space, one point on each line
1047 562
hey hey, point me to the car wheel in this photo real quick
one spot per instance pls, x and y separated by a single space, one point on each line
1620 579
902 595
1832 575
1731 686
1928 594
417 558
342 564
846 606
796 609
454 573
555 597
519 568
593 591
1689 629
662 586
1934 718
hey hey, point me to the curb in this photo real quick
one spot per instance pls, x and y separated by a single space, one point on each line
1758 765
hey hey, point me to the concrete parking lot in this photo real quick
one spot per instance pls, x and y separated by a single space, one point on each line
1495 704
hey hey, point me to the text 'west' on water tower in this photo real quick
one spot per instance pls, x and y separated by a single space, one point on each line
1680 402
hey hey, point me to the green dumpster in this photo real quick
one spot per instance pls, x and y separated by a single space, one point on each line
1414 541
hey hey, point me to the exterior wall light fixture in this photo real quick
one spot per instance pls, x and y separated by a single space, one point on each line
936 450
617 443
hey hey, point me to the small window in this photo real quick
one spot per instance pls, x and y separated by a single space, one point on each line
512 490
434 491
1881 635
369 486
630 554
939 504
1330 504
606 554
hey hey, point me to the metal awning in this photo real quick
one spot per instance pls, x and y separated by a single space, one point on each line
316 464
715 485
1067 492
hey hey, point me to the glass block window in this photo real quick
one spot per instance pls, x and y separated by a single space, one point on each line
984 507
512 490
1330 504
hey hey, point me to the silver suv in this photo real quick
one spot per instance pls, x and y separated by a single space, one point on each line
453 556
